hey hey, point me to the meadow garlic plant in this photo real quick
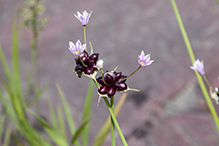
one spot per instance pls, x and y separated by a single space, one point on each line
109 82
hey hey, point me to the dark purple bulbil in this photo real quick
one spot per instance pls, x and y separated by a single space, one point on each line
113 82
89 64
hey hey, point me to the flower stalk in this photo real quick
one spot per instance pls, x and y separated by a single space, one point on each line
85 42
115 122
192 57
130 74
112 123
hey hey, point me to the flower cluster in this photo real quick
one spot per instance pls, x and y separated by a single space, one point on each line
111 81
86 64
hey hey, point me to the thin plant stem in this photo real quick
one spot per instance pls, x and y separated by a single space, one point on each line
103 76
192 57
206 80
82 61
112 123
131 74
85 37
115 122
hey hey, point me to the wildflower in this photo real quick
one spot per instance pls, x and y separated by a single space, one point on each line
83 18
86 64
99 64
144 60
215 95
76 49
199 67
112 82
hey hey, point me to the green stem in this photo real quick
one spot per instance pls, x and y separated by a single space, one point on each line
115 122
85 37
131 74
103 76
112 123
192 57
82 61
206 80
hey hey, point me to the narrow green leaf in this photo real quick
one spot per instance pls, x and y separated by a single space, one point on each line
7 136
87 112
78 132
43 122
52 113
67 111
61 123
10 111
37 97
53 133
15 54
99 140
2 123
4 64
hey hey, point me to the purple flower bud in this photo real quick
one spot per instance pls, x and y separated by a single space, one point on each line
117 75
122 77
109 77
100 80
84 59
94 57
103 90
89 70
77 60
111 92
90 62
79 67
115 85
84 54
122 86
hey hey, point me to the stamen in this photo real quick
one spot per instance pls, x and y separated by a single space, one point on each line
77 52
142 63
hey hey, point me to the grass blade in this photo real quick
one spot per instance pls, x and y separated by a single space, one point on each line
67 111
67 114
106 127
52 114
7 136
53 133
2 124
4 64
78 132
36 98
86 113
61 123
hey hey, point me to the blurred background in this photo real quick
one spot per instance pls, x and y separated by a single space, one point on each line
167 110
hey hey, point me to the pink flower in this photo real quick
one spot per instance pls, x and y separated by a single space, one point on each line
84 19
199 67
144 60
77 48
